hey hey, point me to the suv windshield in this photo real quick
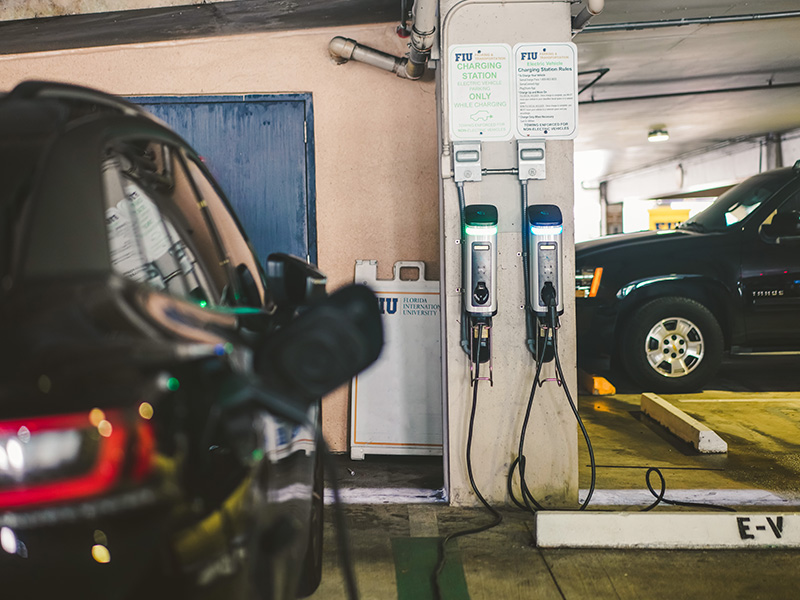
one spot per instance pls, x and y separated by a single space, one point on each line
736 204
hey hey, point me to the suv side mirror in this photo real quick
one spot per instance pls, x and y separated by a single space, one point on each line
325 346
293 282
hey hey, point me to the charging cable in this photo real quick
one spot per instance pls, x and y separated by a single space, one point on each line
342 537
498 518
462 201
660 495
529 321
551 327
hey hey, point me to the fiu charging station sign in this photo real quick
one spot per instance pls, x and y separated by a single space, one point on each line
497 92
480 92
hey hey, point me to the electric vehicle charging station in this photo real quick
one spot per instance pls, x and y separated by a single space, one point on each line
480 281
498 60
545 226
480 252
507 122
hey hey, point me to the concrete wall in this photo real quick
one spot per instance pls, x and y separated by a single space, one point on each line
375 136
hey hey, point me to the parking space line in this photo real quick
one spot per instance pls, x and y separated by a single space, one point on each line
701 400
366 495
422 521
415 560
719 497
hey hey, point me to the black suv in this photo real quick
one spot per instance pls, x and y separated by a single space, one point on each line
668 304
159 387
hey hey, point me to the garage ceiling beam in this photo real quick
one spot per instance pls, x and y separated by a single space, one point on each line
171 23
606 27
751 88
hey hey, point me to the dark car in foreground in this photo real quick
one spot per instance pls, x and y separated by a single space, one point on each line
669 304
159 387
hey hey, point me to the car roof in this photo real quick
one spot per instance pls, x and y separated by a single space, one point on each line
78 97
51 138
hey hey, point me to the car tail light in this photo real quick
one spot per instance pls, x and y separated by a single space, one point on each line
60 458
587 282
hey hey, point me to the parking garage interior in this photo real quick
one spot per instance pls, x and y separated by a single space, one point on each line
382 193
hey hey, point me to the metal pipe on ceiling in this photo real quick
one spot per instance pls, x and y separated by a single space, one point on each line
422 37
607 27
752 88
599 73
592 9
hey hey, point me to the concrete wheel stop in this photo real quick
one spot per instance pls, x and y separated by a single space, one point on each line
687 428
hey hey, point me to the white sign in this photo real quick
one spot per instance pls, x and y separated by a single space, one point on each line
481 103
667 529
546 77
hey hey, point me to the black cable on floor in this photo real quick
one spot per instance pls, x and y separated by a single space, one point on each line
660 495
498 518
342 537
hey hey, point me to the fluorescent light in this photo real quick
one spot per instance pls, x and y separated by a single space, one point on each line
658 135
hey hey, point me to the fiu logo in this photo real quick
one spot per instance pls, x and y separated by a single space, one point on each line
463 56
387 305
526 55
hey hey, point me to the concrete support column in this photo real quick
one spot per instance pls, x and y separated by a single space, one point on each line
551 450
773 151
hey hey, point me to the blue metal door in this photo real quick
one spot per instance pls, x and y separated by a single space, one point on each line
259 148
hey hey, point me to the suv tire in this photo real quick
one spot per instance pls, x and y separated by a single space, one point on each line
672 344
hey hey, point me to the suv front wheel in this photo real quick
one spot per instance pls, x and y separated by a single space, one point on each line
672 344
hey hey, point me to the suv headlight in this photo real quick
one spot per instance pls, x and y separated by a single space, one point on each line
587 281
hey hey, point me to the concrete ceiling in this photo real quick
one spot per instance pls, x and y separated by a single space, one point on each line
704 83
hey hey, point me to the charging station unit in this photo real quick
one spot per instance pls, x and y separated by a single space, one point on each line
480 260
480 282
545 226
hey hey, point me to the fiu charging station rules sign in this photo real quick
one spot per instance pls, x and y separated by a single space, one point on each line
496 92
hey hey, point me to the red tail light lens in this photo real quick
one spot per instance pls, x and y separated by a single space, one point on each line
60 458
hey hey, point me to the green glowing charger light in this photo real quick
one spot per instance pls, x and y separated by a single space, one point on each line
480 229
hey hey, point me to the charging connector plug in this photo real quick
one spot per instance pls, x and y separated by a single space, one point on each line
550 298
480 344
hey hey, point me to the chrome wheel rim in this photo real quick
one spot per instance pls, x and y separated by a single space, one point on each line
674 347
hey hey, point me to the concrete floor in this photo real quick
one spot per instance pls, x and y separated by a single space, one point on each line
502 563
762 431
762 465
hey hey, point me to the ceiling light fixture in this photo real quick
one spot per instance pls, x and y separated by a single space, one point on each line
657 135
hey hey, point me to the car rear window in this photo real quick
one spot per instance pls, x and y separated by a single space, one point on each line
168 226
150 240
